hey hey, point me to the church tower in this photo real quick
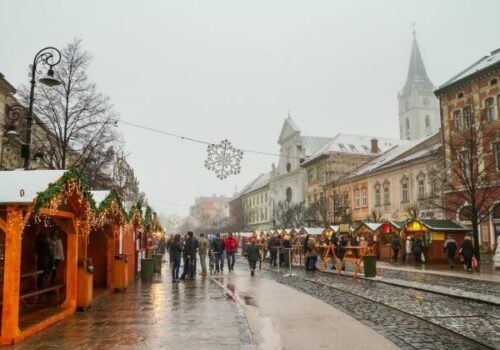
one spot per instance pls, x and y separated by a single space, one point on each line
418 107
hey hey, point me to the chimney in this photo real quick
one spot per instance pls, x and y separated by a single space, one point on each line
374 148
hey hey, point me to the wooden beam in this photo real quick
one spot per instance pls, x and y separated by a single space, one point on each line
57 213
3 225
64 225
29 211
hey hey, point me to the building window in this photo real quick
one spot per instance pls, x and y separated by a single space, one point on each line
356 199
427 122
493 81
404 190
288 167
467 118
458 120
319 172
377 195
407 124
490 109
353 148
465 163
346 199
310 174
421 188
497 154
265 197
342 147
460 95
363 198
386 194
288 194
365 147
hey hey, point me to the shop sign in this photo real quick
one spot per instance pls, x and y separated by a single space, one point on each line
344 228
437 236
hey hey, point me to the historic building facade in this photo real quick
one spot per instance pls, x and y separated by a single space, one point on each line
418 106
255 204
470 124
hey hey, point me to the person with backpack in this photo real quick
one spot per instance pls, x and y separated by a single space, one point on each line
395 245
450 247
231 247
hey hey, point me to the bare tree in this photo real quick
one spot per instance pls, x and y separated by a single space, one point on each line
79 117
375 217
318 211
298 214
284 214
467 178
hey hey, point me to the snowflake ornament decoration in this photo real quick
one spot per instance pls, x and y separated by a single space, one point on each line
223 159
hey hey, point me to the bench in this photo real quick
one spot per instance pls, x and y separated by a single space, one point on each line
36 292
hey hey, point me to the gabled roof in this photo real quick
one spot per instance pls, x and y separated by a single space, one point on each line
22 186
315 231
354 144
99 196
289 127
485 63
372 226
444 225
417 75
261 181
311 144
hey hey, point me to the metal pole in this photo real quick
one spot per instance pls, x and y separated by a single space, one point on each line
29 119
289 274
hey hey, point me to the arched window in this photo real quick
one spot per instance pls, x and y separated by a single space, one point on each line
457 119
490 109
467 118
427 121
288 194
386 193
288 167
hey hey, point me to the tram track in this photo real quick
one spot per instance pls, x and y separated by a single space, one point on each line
430 331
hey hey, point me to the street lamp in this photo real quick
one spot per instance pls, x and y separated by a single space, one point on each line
47 56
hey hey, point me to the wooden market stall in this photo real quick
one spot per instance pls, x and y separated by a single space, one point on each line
367 231
136 225
433 233
33 206
385 234
105 242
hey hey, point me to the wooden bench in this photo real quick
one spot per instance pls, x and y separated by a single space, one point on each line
36 292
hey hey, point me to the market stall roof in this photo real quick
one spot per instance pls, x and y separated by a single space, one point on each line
22 186
440 225
336 228
315 231
99 196
372 226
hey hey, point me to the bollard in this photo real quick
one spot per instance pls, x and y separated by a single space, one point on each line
147 267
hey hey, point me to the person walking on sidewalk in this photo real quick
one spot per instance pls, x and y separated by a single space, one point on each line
218 248
450 247
175 252
312 253
189 251
408 248
467 252
395 245
273 250
253 255
203 249
231 247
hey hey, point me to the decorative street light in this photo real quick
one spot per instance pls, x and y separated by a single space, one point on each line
47 56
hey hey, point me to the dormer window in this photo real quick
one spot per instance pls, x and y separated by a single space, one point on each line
365 147
493 81
353 148
342 147
460 95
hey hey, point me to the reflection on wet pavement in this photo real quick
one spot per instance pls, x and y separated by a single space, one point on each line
161 315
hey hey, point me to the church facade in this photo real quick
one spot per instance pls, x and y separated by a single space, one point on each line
418 106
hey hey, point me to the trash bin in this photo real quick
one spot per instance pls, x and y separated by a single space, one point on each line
147 268
120 273
157 258
370 265
85 275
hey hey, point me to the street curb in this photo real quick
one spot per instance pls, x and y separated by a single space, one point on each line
245 335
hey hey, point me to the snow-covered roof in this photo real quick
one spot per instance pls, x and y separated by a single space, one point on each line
261 181
22 186
484 63
99 196
414 156
311 144
312 230
355 144
372 225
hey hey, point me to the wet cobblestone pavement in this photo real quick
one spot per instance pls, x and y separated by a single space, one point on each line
161 315
403 315
458 283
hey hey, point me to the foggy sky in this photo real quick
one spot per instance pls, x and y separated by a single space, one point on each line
232 69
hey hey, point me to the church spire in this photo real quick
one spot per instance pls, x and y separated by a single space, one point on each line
417 75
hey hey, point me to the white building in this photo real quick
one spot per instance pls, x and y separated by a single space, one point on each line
287 182
418 107
255 204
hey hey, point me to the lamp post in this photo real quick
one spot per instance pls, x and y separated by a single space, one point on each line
47 56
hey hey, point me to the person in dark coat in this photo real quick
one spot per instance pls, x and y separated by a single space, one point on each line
44 258
305 250
273 249
253 255
450 247
467 252
418 250
218 247
175 252
395 245
189 252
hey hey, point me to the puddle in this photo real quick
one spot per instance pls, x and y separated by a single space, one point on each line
249 300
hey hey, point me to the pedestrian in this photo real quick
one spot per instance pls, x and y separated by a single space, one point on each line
273 250
231 247
408 248
169 242
44 258
253 255
218 247
58 256
281 251
395 245
287 248
305 250
450 247
203 248
196 245
188 252
175 252
467 252
312 253
418 250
